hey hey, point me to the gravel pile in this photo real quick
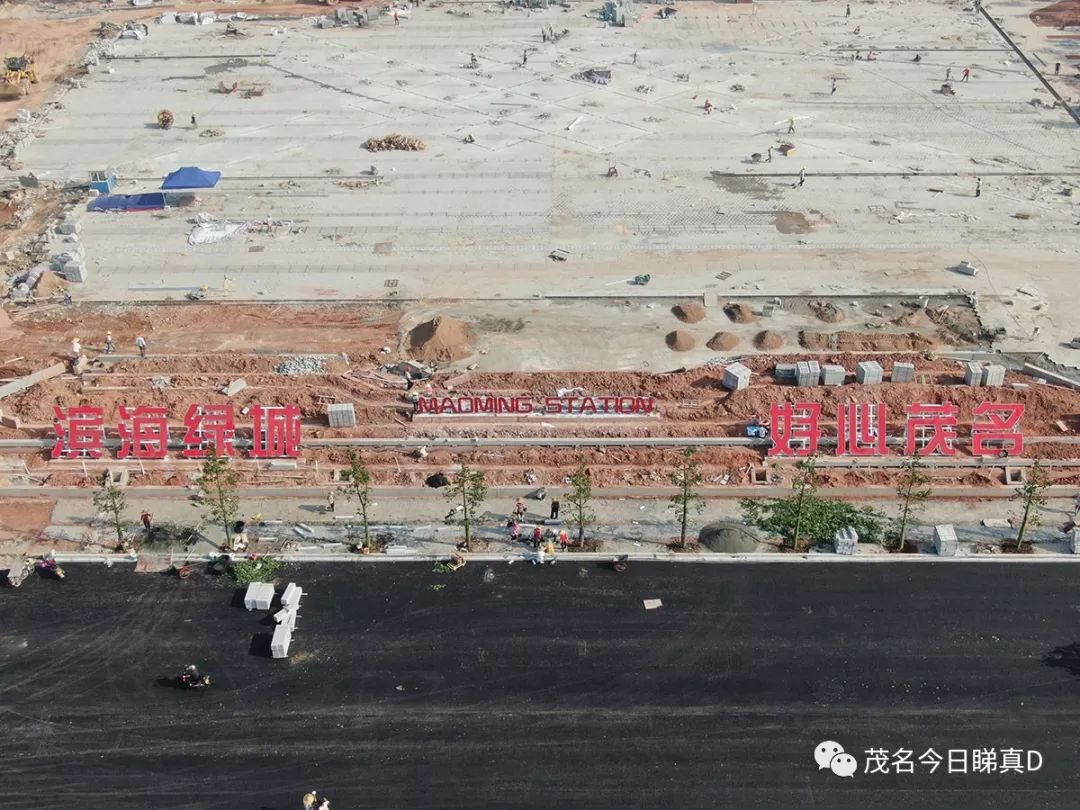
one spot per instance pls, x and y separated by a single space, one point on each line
299 366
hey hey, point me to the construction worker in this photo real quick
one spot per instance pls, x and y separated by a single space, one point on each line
978 186
966 74
791 126
309 800
833 91
147 519
194 123
519 509
948 74
110 346
525 57
708 107
395 17
555 509
543 34
848 12
769 158
330 501
1057 68
140 342
75 350
801 180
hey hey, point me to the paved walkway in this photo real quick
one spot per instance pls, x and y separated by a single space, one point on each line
416 520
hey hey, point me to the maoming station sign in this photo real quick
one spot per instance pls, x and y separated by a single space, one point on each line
144 431
929 429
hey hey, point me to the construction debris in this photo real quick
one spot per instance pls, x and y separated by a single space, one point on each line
394 141
594 75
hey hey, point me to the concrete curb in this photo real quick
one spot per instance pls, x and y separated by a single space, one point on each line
570 557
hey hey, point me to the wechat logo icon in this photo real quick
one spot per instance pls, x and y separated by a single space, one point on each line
830 755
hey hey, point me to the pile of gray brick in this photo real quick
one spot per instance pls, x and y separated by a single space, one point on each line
807 373
785 371
945 540
833 375
869 372
972 374
736 377
993 375
341 414
903 372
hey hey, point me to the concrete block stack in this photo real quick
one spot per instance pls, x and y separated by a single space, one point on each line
833 375
869 372
341 414
973 374
903 372
784 371
736 377
807 373
945 540
993 375
259 595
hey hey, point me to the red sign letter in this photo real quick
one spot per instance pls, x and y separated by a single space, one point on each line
144 432
209 424
794 428
861 429
275 431
79 430
1002 427
931 428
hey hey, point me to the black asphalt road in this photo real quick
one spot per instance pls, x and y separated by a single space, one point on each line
543 687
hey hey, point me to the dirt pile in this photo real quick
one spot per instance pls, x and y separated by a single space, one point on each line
689 311
740 313
768 340
7 327
826 311
48 284
442 339
722 342
680 341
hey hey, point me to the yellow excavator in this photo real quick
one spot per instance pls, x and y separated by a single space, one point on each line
19 71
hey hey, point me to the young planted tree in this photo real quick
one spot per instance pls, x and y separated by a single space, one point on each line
687 477
468 488
913 490
218 487
1032 497
359 487
109 500
805 485
579 499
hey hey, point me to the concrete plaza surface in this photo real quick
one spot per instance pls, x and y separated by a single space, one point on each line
523 686
891 163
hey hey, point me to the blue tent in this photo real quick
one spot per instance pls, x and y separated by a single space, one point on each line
153 201
190 177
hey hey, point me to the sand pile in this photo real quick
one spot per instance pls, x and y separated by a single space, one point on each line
689 311
680 341
722 342
442 339
48 284
740 313
768 340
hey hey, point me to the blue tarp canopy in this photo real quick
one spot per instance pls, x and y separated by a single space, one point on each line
190 177
154 201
